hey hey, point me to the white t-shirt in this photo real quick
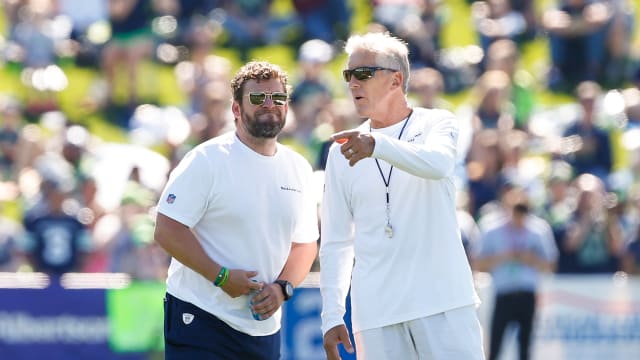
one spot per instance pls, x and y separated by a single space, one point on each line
245 209
422 270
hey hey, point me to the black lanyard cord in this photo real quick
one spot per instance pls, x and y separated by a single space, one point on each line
388 228
387 180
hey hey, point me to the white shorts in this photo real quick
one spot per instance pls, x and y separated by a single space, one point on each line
451 335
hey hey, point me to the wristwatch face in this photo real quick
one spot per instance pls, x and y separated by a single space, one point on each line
287 288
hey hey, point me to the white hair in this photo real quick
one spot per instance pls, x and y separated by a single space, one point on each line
391 52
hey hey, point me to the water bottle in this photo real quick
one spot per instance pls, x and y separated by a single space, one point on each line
253 293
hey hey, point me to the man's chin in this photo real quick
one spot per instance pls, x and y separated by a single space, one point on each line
266 132
361 106
363 111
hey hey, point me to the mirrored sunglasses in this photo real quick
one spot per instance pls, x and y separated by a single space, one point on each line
362 73
258 98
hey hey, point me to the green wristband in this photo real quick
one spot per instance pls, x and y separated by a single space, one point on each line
223 276
226 277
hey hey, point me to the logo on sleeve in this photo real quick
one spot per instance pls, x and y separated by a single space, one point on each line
171 198
414 137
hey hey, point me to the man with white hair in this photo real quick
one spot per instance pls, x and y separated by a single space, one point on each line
395 239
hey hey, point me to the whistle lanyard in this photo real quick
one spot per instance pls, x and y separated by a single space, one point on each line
387 180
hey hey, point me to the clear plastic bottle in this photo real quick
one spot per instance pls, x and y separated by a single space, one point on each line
253 293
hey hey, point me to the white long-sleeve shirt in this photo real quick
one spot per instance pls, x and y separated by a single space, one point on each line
422 270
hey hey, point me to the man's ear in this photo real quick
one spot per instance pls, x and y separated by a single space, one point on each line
397 79
235 108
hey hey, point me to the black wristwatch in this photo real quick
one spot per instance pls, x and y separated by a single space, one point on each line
287 288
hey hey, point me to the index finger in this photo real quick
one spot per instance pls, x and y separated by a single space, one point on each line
343 136
256 285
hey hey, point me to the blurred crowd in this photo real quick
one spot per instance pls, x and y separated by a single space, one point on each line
73 202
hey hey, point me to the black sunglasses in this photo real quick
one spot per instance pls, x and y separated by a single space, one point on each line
258 98
362 72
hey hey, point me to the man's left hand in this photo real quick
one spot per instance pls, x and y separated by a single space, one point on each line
268 301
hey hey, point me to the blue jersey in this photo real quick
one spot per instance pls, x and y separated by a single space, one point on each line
56 242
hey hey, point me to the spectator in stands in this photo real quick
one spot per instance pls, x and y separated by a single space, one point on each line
503 55
427 85
147 261
338 116
557 208
123 235
11 124
327 20
212 118
33 47
593 152
424 34
484 170
33 36
191 16
84 46
57 241
514 146
493 109
312 90
495 210
516 249
594 237
83 14
577 38
75 149
391 14
528 10
195 74
131 42
418 22
215 117
496 19
490 110
623 209
618 43
250 24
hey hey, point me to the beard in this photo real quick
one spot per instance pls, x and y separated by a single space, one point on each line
268 127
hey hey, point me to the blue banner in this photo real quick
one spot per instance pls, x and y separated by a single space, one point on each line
123 323
56 324
301 333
